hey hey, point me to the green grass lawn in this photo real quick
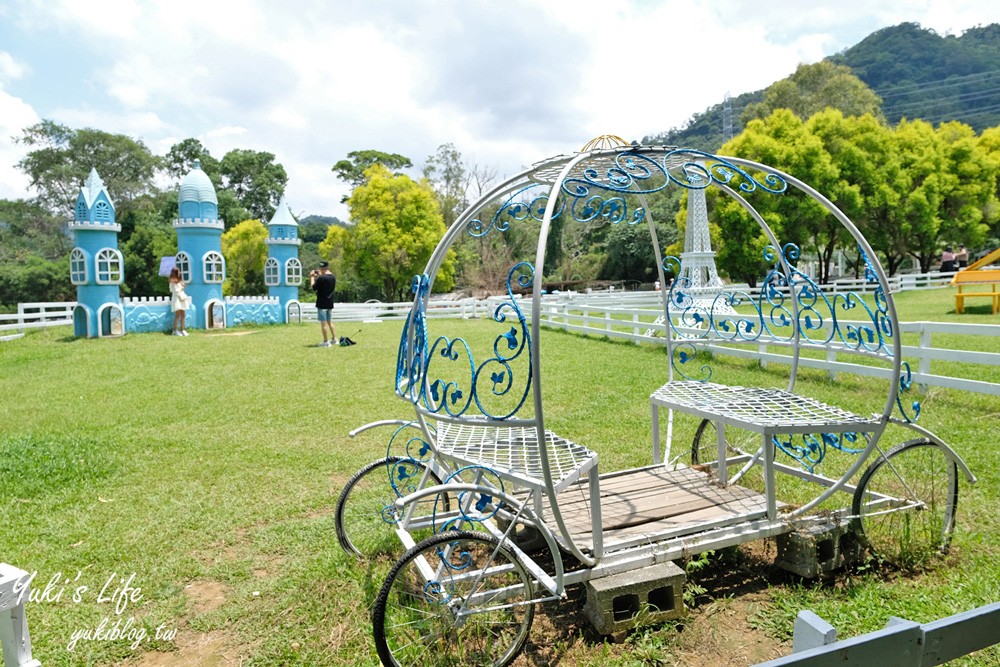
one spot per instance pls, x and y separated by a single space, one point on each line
208 466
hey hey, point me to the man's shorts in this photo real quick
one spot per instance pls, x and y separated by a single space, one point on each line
323 314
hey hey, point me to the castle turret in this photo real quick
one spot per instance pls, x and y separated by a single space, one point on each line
283 270
199 249
95 264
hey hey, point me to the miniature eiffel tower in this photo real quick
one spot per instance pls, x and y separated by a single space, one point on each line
698 260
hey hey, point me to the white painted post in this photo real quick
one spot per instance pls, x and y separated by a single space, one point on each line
14 638
811 631
925 360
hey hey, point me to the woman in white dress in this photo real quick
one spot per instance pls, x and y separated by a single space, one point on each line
179 302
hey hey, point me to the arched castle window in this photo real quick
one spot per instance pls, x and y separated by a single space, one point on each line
215 267
102 212
109 267
271 272
293 272
81 210
78 267
183 264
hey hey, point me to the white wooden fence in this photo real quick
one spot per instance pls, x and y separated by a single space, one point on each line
638 325
632 316
901 643
35 316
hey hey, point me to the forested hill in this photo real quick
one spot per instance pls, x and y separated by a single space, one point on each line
918 74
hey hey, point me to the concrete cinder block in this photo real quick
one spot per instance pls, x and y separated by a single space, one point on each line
648 595
818 550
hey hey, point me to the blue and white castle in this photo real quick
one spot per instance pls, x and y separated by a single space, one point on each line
97 266
283 270
199 249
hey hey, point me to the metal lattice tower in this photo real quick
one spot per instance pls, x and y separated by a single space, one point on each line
698 260
727 119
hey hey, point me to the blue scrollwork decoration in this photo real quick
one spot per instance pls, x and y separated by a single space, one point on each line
702 169
789 304
452 561
432 375
408 441
814 446
411 359
640 172
518 207
905 380
469 507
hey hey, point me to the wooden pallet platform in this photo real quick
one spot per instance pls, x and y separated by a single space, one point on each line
653 504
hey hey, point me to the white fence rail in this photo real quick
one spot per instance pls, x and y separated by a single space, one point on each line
901 643
632 316
638 325
35 316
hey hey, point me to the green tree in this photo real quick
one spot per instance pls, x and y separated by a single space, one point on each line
59 160
255 179
181 156
397 226
352 170
863 153
449 177
970 200
783 141
27 228
630 253
813 88
989 143
150 241
922 161
35 279
245 249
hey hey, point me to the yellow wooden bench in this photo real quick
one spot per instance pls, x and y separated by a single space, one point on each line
961 296
976 276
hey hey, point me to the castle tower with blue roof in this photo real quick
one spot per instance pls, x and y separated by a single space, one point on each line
199 249
283 270
95 263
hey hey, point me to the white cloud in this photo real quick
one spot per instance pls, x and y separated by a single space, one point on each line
10 68
15 115
508 83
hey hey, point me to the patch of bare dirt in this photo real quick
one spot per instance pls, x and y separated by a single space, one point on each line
194 649
721 635
206 595
718 632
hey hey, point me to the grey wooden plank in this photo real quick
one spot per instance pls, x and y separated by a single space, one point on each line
958 635
895 646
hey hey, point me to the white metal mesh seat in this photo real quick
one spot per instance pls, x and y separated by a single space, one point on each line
512 451
768 411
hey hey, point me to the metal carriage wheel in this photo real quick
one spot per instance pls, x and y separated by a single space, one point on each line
705 448
365 513
905 502
739 442
456 598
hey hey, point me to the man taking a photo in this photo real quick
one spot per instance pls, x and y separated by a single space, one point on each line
324 282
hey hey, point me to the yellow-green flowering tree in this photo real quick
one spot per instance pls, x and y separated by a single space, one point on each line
245 251
397 225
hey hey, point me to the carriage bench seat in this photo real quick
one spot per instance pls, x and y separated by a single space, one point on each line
512 451
768 411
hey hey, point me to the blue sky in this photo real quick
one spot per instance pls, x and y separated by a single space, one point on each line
509 83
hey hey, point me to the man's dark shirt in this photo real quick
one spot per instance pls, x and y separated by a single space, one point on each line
324 285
